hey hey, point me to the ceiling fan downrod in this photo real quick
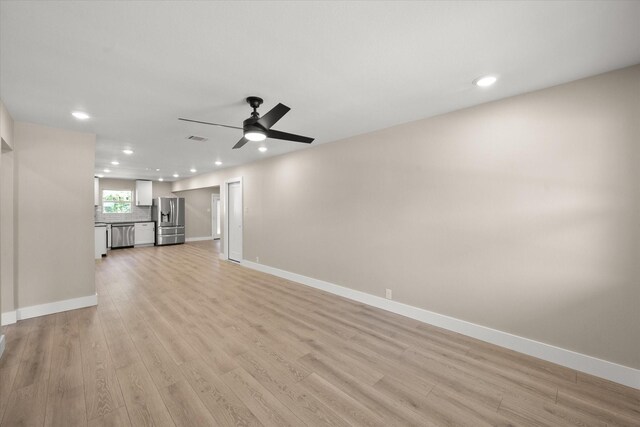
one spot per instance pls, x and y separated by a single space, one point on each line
255 102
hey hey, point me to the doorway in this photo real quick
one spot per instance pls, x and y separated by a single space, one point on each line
216 220
233 238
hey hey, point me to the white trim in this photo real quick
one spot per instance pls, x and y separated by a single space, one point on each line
570 359
198 239
214 216
56 307
223 256
2 344
224 196
9 318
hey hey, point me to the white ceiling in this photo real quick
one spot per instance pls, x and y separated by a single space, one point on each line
345 68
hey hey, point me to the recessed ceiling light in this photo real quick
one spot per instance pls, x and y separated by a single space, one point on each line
175 175
161 179
485 81
115 163
157 170
262 149
106 170
100 176
193 170
80 115
128 152
218 163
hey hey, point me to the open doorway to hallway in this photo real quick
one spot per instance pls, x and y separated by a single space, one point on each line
200 221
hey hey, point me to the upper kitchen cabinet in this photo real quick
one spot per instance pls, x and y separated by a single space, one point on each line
96 191
144 193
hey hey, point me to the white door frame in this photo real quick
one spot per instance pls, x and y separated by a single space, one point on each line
214 217
225 224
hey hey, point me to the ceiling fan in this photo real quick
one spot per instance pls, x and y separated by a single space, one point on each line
257 128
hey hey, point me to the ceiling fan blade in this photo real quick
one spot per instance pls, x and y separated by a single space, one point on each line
276 134
207 123
241 143
275 114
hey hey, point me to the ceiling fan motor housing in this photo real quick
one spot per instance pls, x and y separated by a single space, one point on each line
252 130
250 125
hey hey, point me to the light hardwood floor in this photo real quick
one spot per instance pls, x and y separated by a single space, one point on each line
182 338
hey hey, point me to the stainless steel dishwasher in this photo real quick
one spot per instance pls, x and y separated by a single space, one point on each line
122 235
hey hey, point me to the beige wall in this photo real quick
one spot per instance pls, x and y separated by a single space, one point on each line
118 184
198 211
55 233
7 282
7 224
522 215
161 189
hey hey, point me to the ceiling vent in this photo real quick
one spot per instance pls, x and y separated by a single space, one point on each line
196 138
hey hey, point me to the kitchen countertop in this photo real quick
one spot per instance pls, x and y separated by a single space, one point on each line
120 222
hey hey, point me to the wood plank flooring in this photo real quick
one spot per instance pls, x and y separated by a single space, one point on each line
182 338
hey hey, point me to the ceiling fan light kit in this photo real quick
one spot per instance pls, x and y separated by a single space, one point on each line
257 128
255 135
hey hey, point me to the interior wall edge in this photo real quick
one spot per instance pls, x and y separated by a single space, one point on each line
45 274
581 362
7 284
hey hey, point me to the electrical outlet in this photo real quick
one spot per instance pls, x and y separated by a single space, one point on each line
387 294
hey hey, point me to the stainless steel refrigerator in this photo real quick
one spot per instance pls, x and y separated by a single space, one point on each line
168 213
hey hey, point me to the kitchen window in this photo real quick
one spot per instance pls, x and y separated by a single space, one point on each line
116 201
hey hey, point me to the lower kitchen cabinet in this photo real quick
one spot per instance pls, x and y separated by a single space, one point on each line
100 240
145 233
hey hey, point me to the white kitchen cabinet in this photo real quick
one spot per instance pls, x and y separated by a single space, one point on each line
145 233
144 193
96 191
100 241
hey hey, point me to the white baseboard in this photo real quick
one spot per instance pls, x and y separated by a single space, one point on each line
2 344
570 359
9 318
56 307
223 256
198 239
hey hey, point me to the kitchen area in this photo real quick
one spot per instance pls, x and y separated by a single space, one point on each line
136 213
